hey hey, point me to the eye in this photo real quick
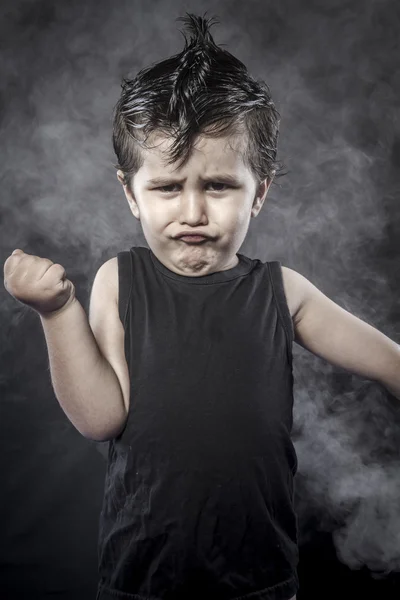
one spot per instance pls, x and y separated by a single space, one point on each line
166 188
218 183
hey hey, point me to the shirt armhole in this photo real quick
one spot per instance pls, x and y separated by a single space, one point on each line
276 277
124 284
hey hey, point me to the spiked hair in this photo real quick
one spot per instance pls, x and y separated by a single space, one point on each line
202 90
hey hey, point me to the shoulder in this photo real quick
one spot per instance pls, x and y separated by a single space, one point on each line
107 275
109 267
294 286
113 270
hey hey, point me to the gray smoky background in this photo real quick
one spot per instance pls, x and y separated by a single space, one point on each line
333 68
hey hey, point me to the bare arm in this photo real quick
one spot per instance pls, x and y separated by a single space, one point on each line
341 338
84 382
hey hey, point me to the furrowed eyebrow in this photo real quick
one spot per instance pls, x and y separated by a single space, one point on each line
224 177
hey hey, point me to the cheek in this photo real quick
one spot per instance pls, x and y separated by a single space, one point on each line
156 214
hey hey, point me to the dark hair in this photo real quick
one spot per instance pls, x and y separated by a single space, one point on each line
202 90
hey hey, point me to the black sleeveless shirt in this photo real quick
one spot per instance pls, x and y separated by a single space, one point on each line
198 496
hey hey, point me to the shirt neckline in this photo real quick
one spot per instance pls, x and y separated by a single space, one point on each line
243 267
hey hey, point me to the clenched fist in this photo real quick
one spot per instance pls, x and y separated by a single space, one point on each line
38 282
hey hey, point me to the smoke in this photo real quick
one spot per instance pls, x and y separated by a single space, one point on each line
333 70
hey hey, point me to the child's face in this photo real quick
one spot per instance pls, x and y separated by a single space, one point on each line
189 203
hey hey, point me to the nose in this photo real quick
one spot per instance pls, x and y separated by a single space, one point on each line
193 208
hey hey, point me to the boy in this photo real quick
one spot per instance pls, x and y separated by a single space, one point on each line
185 363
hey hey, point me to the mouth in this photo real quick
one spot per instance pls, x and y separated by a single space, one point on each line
193 239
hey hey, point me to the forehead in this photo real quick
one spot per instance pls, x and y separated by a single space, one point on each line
207 154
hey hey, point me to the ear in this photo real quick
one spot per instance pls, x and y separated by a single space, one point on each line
121 177
129 195
261 194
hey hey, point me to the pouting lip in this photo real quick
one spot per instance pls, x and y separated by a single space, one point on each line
191 239
191 233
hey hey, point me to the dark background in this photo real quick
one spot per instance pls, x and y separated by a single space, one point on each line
333 68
